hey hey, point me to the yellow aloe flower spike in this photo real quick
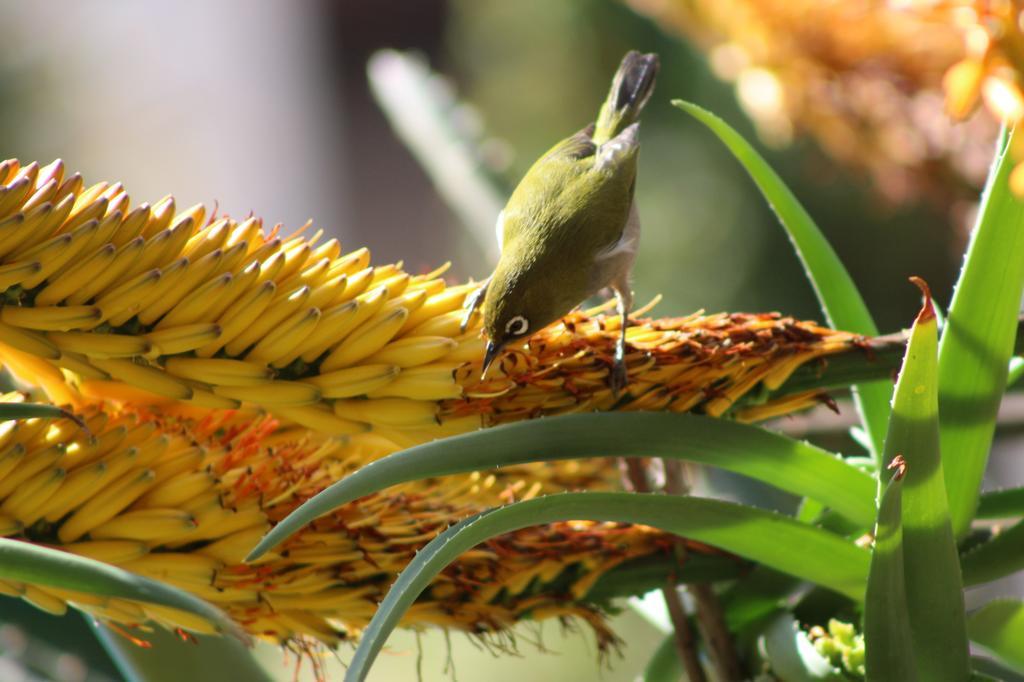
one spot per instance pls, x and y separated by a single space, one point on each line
191 312
183 501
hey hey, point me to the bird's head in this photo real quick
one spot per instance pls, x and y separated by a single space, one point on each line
516 307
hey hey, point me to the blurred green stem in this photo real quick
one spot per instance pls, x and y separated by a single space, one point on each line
425 115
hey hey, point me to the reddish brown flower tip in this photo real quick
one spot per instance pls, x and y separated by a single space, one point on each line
829 402
927 311
900 465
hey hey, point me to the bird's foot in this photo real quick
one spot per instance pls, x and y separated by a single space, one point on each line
619 376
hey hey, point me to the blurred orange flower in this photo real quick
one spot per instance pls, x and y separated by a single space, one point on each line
871 81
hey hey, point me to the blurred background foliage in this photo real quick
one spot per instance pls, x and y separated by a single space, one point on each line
709 241
266 108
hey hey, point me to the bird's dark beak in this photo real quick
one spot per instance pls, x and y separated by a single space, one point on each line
492 352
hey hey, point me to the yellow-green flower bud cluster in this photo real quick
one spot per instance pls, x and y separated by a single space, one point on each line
841 644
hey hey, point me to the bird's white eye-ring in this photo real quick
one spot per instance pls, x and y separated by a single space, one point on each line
517 326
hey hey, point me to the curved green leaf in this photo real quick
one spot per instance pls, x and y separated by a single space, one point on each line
978 339
169 658
664 665
641 575
932 581
838 295
999 627
1015 370
889 649
791 465
9 411
989 670
769 538
1001 504
31 563
997 558
762 592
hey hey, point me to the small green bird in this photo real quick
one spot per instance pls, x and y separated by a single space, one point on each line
571 229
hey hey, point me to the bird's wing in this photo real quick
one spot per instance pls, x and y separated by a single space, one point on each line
578 146
614 157
543 183
626 245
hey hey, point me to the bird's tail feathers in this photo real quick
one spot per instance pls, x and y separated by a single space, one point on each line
631 88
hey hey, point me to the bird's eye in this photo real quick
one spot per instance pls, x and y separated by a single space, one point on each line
517 326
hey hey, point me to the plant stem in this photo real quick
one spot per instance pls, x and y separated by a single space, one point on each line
876 358
710 618
636 474
685 645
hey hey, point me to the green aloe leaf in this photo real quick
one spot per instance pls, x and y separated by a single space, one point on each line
639 576
769 538
791 465
1001 504
934 588
997 558
1015 370
31 563
989 670
171 659
838 295
889 647
999 627
978 339
762 592
664 665
9 411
